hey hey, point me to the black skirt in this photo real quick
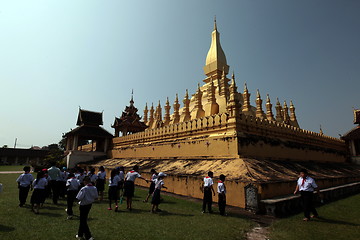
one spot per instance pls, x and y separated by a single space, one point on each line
38 196
113 193
156 197
129 189
100 184
151 188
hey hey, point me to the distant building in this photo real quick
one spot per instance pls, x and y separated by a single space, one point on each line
352 139
19 156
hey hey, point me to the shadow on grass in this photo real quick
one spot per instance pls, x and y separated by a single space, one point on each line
166 213
50 214
332 221
4 228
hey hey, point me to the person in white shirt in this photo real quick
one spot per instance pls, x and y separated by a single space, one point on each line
156 199
72 185
100 182
208 190
62 183
113 189
24 184
122 180
154 176
221 189
129 186
92 176
39 193
86 196
306 185
55 177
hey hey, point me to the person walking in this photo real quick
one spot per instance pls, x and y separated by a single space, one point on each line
208 191
24 183
55 177
306 186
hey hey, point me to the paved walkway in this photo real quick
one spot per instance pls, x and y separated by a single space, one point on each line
9 172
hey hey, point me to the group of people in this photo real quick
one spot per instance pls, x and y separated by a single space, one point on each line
208 190
85 187
89 186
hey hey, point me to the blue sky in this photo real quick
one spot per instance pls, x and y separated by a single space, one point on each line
58 55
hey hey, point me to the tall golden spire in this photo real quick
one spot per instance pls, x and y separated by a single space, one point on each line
146 114
176 116
198 111
215 59
286 113
151 118
167 112
185 115
293 119
246 96
259 111
269 113
279 113
233 106
211 107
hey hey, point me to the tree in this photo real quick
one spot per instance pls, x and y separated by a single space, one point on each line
55 155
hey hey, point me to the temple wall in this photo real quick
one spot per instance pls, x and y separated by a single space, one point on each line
216 136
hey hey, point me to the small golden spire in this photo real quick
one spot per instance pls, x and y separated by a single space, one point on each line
176 116
269 113
286 113
321 131
246 97
279 112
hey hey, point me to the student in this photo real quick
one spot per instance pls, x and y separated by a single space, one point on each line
86 196
100 182
129 186
24 183
306 185
92 176
208 190
72 185
221 189
113 189
159 183
39 194
122 180
54 174
154 176
62 183
81 176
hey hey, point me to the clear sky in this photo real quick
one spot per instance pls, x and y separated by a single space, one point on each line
58 55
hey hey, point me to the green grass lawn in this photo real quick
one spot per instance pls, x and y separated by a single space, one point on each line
180 219
338 220
11 168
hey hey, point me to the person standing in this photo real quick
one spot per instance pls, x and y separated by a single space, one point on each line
55 178
154 176
306 186
24 183
114 182
208 192
39 193
129 186
72 185
156 199
86 196
100 182
221 189
62 183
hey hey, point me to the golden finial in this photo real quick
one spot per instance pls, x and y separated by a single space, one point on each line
245 87
177 98
187 94
146 107
321 131
167 100
215 27
267 98
258 94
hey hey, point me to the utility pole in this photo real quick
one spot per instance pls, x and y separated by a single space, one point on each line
15 142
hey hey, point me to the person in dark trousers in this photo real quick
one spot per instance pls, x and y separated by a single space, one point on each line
72 185
86 196
306 186
24 184
221 189
55 177
154 176
208 190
